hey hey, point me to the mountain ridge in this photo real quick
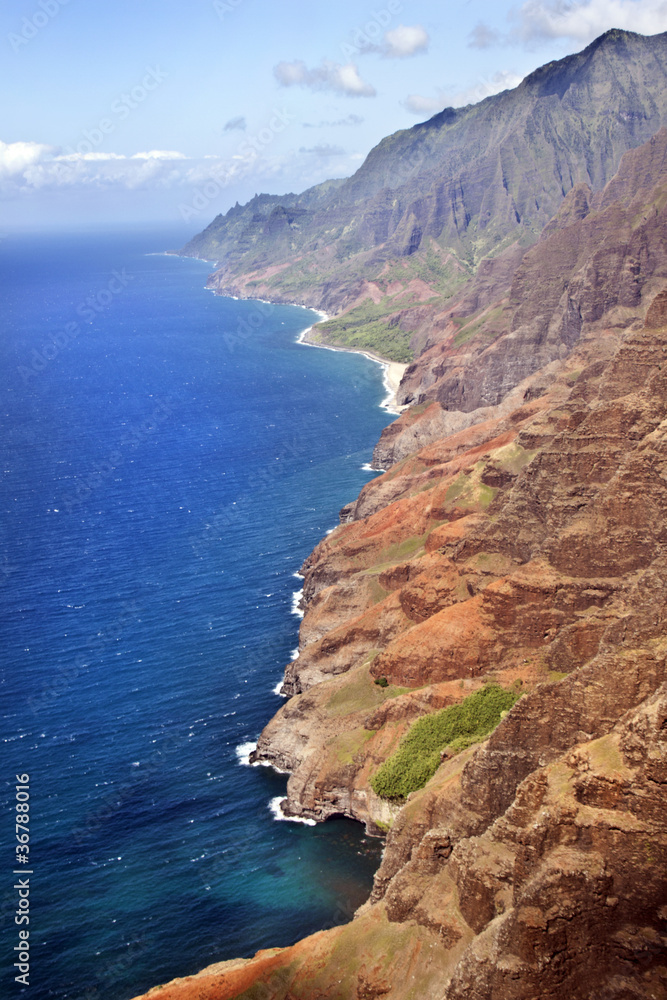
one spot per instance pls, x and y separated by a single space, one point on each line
432 203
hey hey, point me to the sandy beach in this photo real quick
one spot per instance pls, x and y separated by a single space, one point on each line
393 370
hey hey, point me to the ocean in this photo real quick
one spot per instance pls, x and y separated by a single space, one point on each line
169 458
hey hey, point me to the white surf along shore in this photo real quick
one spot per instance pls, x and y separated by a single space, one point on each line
243 752
393 371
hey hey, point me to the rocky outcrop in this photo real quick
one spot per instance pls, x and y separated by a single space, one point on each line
564 893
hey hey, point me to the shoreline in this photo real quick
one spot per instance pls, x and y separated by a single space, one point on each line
392 374
393 371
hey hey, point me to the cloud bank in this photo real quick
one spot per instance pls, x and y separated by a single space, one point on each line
342 79
27 167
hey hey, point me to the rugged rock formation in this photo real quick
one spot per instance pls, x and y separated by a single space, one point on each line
595 259
390 246
518 534
563 894
534 865
506 580
467 175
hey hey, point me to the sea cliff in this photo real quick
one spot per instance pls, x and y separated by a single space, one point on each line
517 537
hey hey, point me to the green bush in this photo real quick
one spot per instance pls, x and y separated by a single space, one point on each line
382 682
418 755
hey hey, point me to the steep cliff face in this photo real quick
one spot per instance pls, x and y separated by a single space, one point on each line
520 540
534 864
597 258
469 175
388 247
505 581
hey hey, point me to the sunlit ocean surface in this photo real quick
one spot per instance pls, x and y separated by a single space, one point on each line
169 458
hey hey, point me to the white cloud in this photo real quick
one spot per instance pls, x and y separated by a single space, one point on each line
159 154
344 79
17 156
75 157
405 40
545 20
419 105
397 43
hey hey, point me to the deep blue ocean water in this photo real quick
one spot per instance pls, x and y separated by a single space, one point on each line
169 458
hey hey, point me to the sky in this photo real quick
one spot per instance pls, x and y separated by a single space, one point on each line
170 111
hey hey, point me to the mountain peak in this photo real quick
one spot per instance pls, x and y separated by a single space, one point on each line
463 185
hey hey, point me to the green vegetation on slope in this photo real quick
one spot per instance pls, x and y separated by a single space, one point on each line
438 267
365 329
376 326
418 755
